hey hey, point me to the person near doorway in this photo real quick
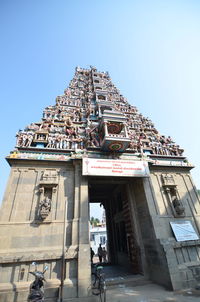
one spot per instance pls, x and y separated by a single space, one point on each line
104 254
100 253
91 254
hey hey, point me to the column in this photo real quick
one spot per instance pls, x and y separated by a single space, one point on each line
75 231
84 265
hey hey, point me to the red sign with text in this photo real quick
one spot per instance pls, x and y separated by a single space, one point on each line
111 167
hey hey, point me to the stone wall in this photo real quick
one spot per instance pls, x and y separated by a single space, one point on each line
152 254
26 237
59 237
181 257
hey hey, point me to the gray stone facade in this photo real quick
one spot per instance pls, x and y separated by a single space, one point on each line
44 216
25 238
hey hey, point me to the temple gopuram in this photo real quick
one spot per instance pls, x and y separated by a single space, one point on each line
92 146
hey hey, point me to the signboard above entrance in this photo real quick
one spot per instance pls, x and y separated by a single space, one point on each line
183 230
115 167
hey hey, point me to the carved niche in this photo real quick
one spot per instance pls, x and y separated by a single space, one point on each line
170 189
47 189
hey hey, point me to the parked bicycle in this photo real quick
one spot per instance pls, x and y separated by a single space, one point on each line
99 284
36 292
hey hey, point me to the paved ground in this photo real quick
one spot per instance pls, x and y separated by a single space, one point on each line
148 293
123 286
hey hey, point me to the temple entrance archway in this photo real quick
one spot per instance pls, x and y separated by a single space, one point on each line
124 240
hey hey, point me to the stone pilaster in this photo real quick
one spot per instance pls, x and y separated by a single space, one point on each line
75 223
84 269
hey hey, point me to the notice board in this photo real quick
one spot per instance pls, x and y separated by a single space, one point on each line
184 230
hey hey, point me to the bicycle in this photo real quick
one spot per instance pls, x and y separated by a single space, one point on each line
99 284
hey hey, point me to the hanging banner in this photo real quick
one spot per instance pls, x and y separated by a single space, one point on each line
184 230
114 167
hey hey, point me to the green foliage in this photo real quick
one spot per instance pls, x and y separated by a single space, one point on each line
94 221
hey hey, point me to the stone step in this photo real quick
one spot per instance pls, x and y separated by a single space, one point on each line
132 280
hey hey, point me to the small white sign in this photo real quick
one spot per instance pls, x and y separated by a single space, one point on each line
184 230
115 167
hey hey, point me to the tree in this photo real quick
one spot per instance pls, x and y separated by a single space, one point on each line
94 221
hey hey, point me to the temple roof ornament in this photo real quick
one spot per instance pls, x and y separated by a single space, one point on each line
92 114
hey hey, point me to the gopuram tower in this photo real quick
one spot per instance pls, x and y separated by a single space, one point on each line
93 146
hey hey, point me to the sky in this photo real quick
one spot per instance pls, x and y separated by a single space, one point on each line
151 50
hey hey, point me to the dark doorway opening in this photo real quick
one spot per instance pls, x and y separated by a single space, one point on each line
122 239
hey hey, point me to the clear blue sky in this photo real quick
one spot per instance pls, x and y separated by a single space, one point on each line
150 48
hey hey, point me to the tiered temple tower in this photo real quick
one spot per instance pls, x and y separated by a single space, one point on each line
92 145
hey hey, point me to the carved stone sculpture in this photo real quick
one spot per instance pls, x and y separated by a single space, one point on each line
44 208
180 210
84 101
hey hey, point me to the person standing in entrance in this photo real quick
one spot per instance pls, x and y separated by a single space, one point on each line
100 253
104 254
91 254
